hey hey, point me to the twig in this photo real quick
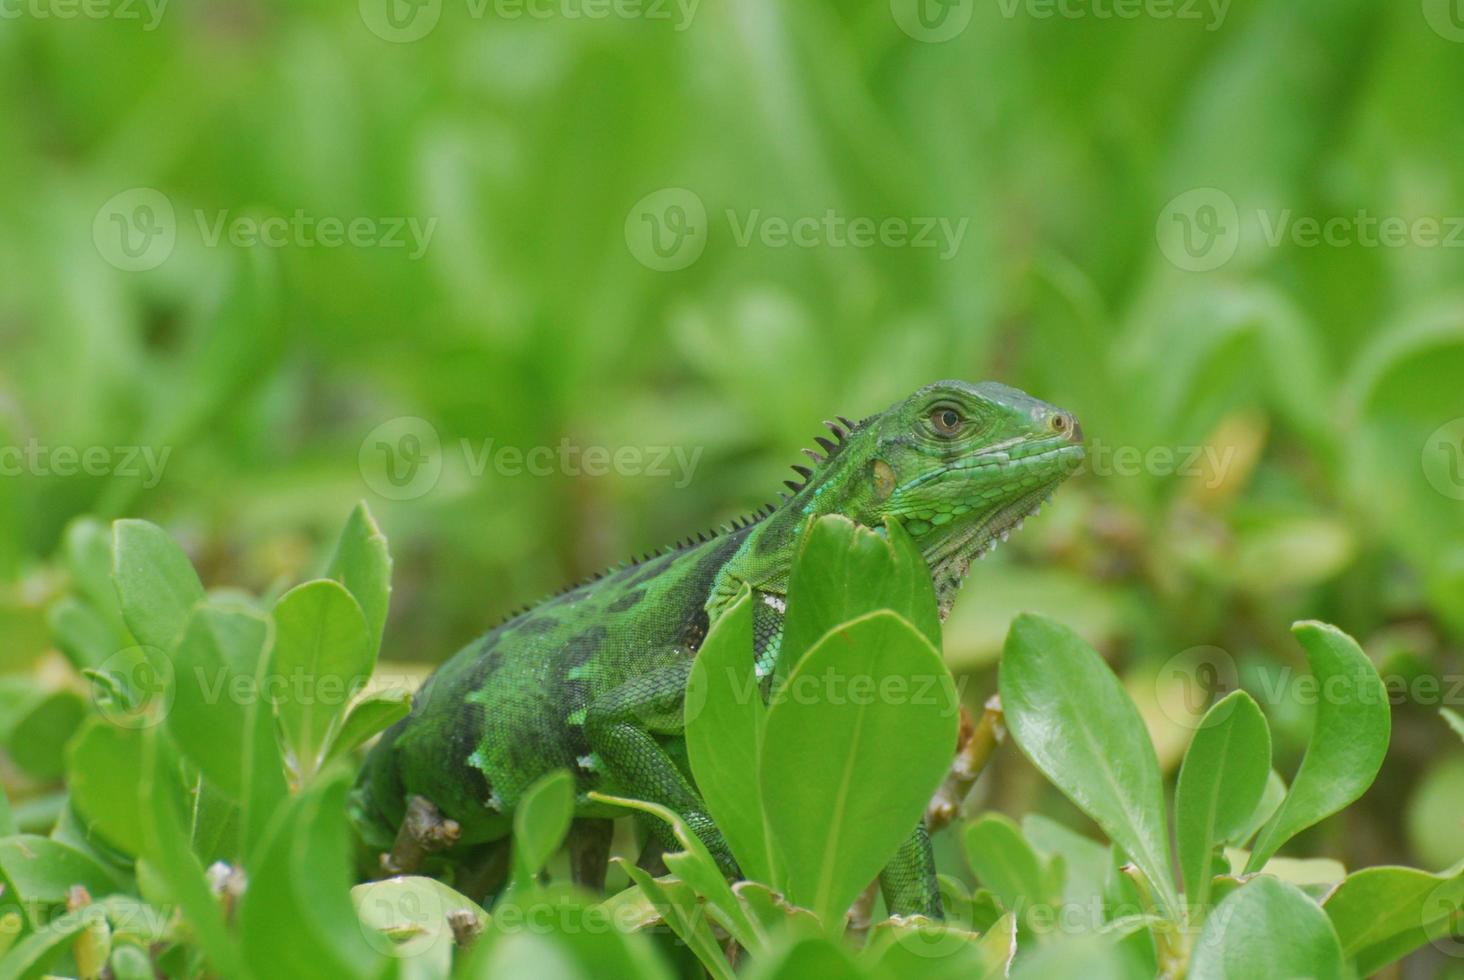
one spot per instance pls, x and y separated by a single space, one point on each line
424 831
975 744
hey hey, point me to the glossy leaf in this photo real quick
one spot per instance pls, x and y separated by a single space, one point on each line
1266 928
105 766
677 904
1221 783
166 844
296 918
37 871
30 958
321 658
857 740
816 956
38 739
1348 741
936 951
843 571
362 563
724 730
412 914
156 584
696 866
82 634
221 719
1454 720
369 717
1071 717
540 822
1005 863
1381 914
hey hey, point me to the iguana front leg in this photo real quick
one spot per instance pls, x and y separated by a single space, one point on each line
621 726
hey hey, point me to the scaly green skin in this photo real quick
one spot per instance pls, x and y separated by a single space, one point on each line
592 680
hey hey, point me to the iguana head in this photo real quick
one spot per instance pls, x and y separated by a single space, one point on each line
959 465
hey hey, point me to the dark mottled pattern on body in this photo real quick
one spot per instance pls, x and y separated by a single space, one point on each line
510 707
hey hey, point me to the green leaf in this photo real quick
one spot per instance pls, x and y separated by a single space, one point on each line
1266 928
215 663
1382 914
362 563
816 956
590 939
1070 716
7 817
37 742
156 585
698 869
105 766
844 571
89 558
1221 782
724 728
166 844
773 913
367 718
220 718
37 872
296 918
930 950
321 658
1005 863
1348 740
409 915
1454 719
677 904
540 822
1271 798
857 740
82 634
30 958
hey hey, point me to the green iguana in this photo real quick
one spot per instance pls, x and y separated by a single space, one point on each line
593 679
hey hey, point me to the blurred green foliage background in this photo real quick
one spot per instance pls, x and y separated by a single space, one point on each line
1319 380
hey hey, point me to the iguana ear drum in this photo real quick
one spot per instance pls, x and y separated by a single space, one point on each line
884 479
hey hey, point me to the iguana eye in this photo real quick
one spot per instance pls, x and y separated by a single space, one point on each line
946 420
